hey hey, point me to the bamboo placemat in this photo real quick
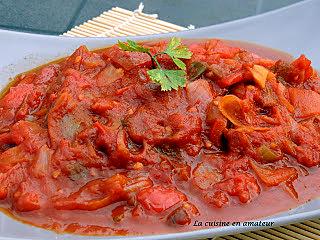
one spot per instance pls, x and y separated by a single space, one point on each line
121 22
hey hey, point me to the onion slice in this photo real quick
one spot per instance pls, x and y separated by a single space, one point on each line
230 106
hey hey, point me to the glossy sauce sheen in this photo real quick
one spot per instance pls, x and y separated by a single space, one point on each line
90 145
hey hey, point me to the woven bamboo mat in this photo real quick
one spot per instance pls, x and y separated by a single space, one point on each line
121 22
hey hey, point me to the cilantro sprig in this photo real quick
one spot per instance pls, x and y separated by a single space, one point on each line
167 78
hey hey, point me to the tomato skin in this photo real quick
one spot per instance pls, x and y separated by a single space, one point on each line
109 190
273 177
302 69
297 72
305 102
242 185
205 176
179 217
200 94
11 179
27 197
11 102
217 198
27 202
127 60
159 199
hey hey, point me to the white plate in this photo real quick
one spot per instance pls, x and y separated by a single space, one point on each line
293 29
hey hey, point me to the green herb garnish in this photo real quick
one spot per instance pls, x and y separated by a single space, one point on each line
167 78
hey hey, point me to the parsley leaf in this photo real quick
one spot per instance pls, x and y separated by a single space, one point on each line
176 50
167 78
132 47
179 63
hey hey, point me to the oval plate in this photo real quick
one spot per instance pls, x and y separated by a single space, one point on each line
293 29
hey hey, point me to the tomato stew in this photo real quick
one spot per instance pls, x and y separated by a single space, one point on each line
90 145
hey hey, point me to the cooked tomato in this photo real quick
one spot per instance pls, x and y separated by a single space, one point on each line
159 199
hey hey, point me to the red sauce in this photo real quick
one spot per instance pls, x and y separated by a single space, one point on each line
90 145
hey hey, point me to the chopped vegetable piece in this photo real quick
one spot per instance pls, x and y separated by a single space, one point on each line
118 213
305 102
206 176
159 199
200 94
230 106
179 216
217 198
42 162
260 75
242 185
267 154
95 194
273 177
77 171
196 69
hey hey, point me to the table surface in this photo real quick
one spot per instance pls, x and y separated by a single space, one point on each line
57 16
